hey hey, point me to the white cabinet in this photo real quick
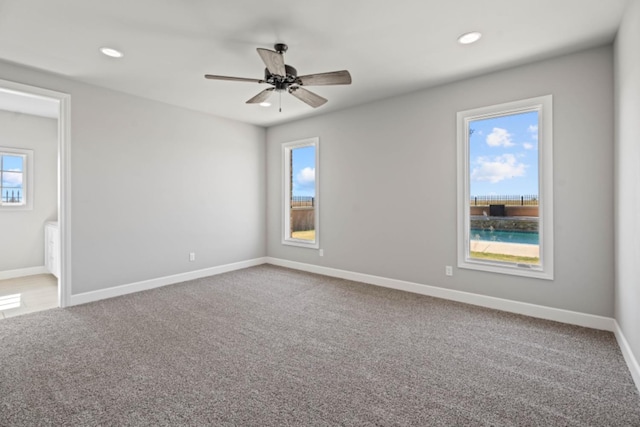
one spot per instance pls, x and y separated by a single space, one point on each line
52 248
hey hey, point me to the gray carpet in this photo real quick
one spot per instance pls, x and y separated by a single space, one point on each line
268 346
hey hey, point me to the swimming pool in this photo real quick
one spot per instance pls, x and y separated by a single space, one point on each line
505 236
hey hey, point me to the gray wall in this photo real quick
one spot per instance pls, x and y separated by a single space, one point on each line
388 183
627 179
151 183
22 232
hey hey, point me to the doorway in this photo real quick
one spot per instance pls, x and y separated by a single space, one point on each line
45 283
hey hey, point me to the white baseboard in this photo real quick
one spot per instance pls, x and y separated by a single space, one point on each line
629 357
115 291
538 311
22 272
533 310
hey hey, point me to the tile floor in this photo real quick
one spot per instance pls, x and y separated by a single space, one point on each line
28 294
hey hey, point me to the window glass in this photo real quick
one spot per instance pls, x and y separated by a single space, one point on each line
300 222
303 193
12 182
503 183
505 187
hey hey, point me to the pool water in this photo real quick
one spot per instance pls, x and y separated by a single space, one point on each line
505 236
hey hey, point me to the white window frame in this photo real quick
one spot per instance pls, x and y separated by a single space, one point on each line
543 105
287 149
27 179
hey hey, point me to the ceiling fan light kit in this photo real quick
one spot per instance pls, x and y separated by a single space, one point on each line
283 77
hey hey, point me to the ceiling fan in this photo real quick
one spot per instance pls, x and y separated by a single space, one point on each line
283 77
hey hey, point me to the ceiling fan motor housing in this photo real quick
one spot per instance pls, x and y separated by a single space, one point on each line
281 82
284 78
280 47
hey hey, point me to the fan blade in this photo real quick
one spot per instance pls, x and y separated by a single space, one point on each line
273 60
261 97
233 79
307 96
333 78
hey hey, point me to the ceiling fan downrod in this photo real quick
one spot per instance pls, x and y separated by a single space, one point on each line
282 77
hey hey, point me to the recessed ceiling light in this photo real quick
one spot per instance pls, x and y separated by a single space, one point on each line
469 38
265 104
109 51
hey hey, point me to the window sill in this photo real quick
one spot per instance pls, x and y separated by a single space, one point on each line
5 208
301 243
524 270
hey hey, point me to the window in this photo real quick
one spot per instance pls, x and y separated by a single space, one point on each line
505 212
16 178
300 171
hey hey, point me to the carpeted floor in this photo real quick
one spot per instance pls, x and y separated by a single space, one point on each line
268 346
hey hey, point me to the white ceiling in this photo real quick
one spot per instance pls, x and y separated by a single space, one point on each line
390 47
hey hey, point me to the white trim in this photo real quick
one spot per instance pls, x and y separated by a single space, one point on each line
144 285
543 105
23 272
533 310
629 357
64 176
27 178
287 149
64 199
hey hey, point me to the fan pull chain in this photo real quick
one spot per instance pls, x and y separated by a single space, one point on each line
280 99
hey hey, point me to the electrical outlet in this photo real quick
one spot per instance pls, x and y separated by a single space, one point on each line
192 256
321 252
448 270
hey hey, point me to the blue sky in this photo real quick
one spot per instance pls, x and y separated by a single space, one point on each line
304 171
503 154
11 165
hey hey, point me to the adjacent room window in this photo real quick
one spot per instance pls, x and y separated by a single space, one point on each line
16 178
301 203
505 212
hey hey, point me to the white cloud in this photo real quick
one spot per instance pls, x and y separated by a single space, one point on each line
528 146
496 169
306 176
533 130
499 138
12 179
